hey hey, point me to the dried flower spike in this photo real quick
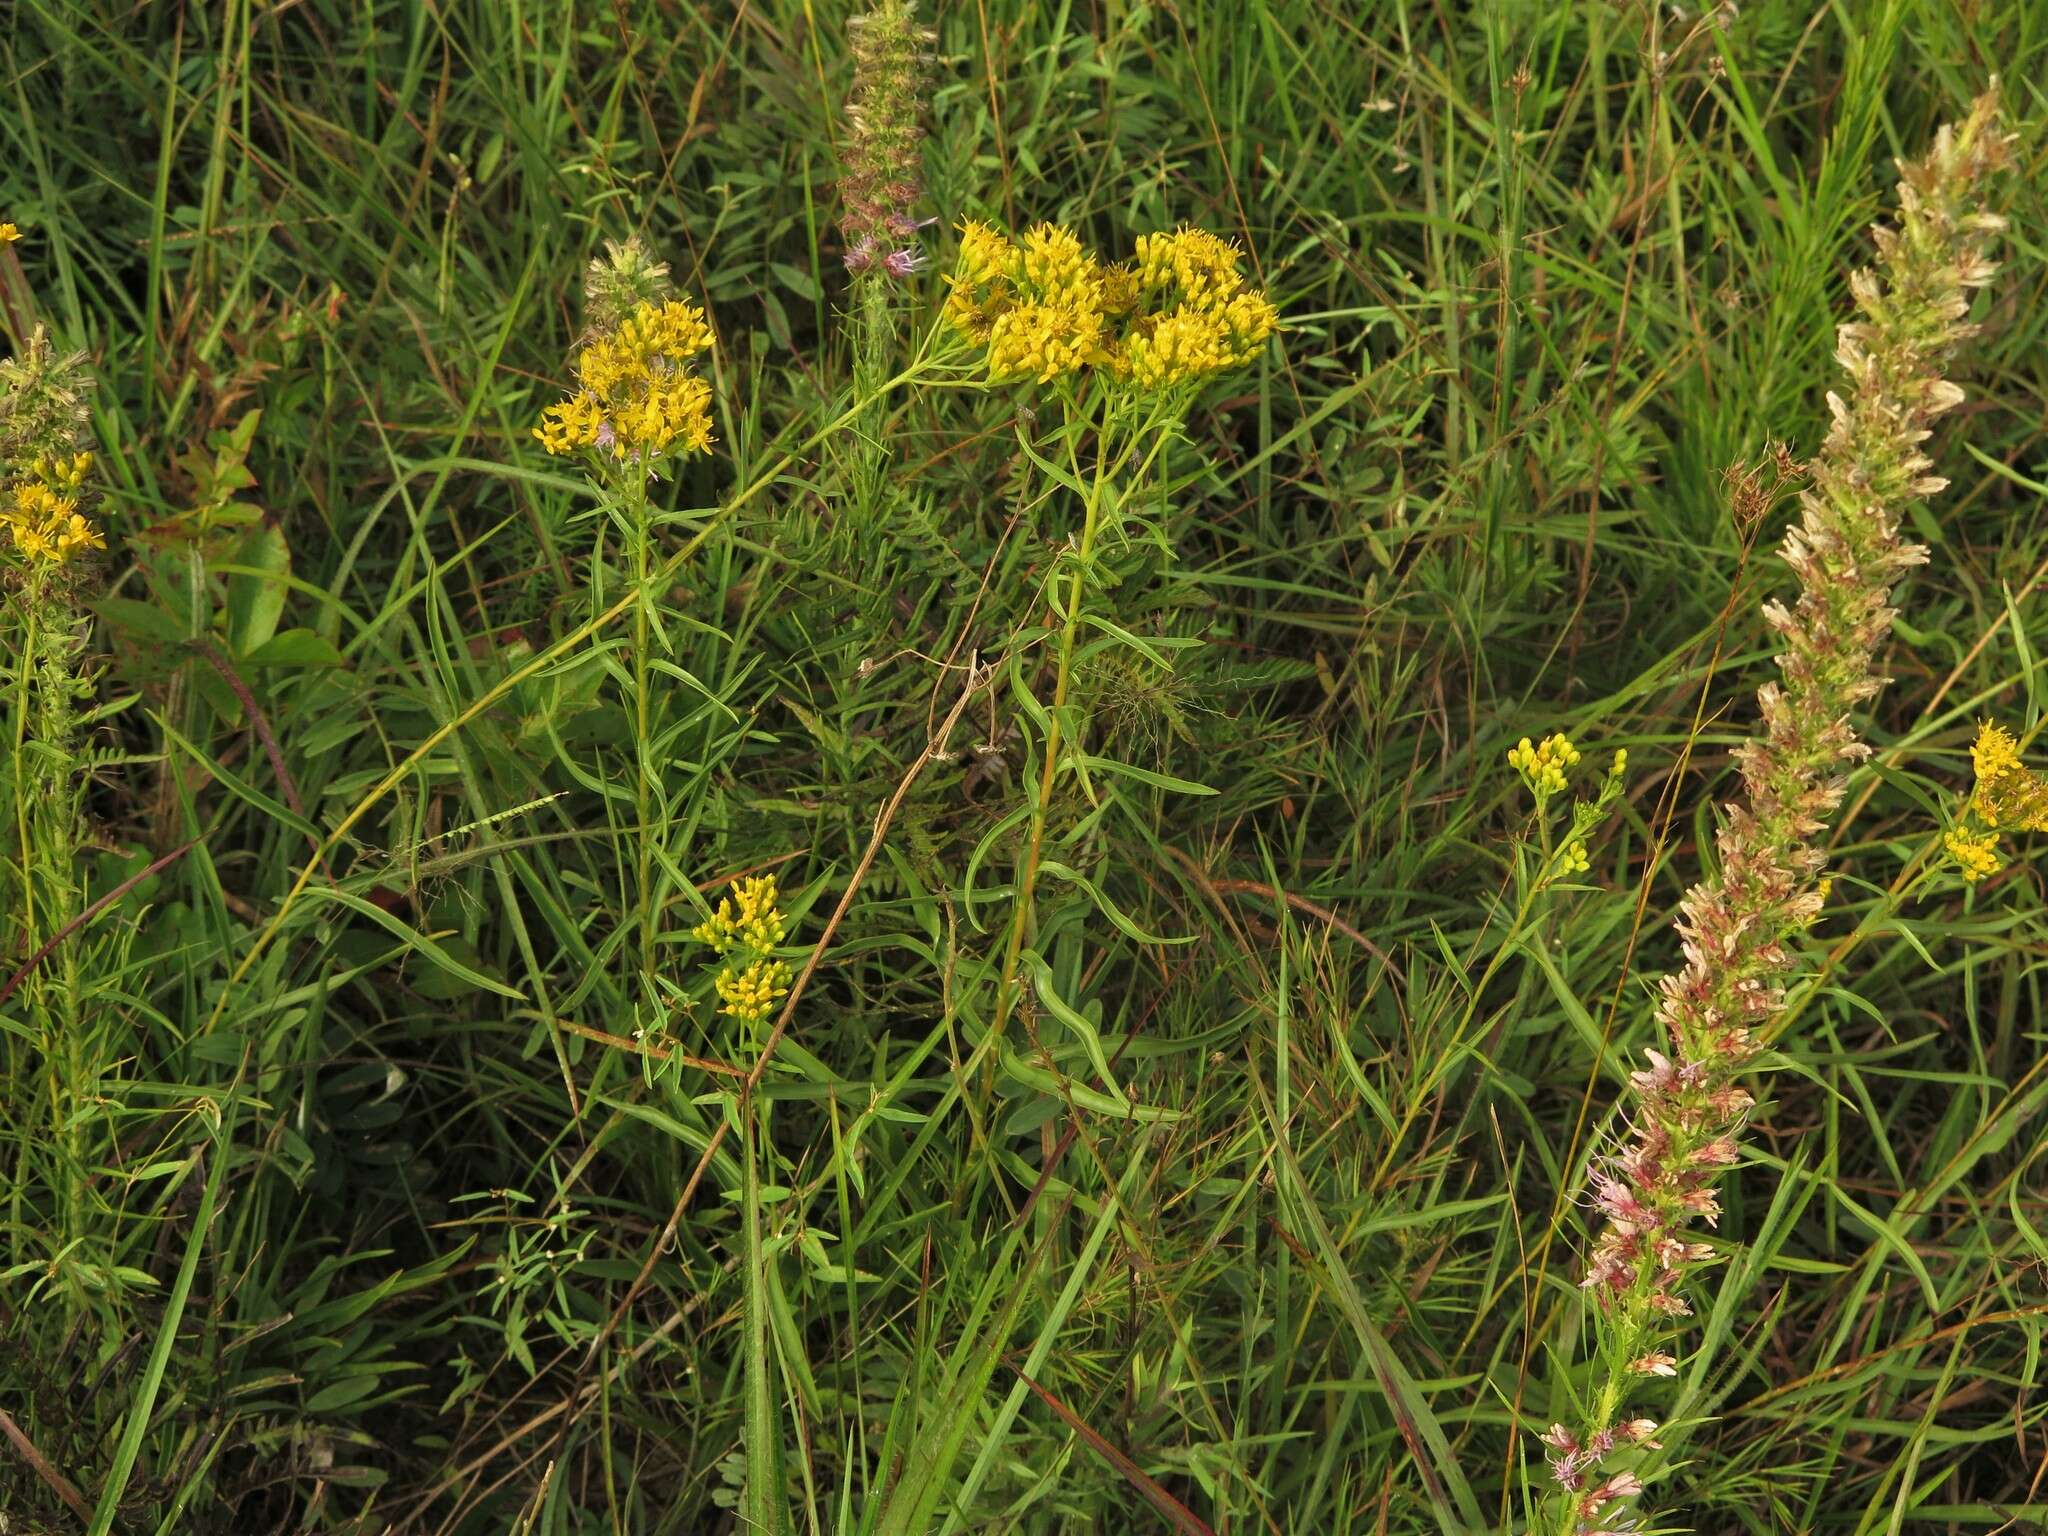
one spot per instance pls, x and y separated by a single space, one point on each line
1737 928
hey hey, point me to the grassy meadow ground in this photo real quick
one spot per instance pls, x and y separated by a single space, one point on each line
378 1162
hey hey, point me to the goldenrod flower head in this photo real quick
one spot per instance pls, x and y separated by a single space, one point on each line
983 282
1053 265
1045 307
1199 315
1202 266
42 420
63 472
1037 305
749 918
9 234
748 994
44 525
2008 794
1043 341
1185 345
986 255
1994 752
639 400
1975 853
1543 765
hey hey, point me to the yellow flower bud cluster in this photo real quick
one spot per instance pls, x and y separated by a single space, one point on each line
1975 853
1205 319
743 928
39 511
1543 764
638 398
749 993
747 919
2008 797
1045 307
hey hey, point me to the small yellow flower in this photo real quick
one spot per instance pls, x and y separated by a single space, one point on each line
1185 345
9 234
1043 341
750 918
1574 861
44 525
1975 853
749 994
986 254
1543 765
63 472
2008 794
1994 752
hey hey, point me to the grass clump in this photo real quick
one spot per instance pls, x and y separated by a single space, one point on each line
905 769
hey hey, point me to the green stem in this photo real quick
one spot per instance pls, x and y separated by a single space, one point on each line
767 1511
643 785
32 603
1027 874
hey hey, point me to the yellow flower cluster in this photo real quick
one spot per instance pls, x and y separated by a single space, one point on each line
638 398
749 994
2008 797
1208 318
1975 853
1045 306
744 927
748 919
1542 765
39 512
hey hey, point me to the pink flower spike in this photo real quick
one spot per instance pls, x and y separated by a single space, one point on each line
1655 1363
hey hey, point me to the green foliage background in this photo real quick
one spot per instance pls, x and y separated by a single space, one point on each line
365 1197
